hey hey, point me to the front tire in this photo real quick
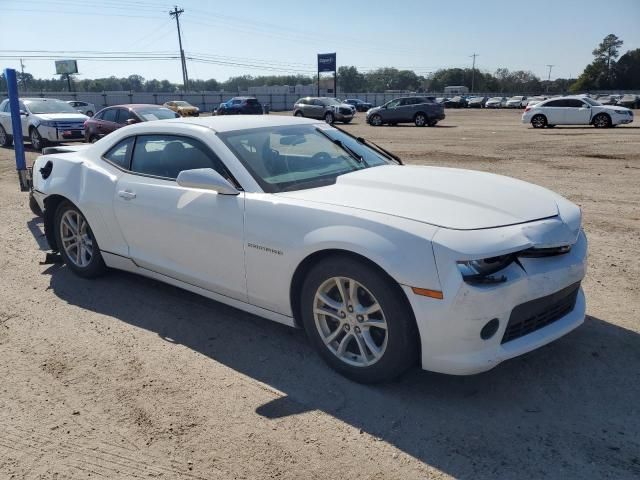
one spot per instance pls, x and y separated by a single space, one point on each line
37 142
298 114
602 120
329 118
34 207
357 320
6 140
89 113
375 120
539 121
76 243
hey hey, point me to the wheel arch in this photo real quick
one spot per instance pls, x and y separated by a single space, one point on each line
51 204
606 114
303 268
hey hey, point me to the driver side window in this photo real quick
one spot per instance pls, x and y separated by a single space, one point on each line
393 104
167 155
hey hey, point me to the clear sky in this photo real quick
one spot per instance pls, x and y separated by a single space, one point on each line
283 36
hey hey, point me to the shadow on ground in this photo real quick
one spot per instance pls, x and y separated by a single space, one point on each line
567 410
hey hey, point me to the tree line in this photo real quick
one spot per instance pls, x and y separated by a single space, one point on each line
608 71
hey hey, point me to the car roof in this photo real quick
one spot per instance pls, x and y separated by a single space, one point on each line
243 122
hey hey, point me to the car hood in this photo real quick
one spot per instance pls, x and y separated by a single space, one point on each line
445 197
616 108
60 117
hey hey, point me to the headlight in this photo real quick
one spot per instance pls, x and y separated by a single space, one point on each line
482 271
48 123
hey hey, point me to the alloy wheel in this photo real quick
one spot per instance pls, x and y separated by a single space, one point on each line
77 240
350 321
36 140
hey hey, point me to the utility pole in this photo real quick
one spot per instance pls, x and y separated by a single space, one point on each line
473 71
549 76
22 80
175 13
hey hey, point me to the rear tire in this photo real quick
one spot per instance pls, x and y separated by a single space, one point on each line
539 121
420 119
6 140
78 247
349 341
602 120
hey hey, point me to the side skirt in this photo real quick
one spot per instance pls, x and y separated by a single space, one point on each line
123 263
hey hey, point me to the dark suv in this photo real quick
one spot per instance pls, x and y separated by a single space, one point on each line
240 106
419 110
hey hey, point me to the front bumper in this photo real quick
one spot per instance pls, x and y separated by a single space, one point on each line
61 133
450 328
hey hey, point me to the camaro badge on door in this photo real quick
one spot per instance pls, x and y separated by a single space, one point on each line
265 249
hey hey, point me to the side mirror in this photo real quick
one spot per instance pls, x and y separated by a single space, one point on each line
23 112
131 121
206 179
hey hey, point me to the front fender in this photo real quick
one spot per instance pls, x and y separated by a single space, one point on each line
281 234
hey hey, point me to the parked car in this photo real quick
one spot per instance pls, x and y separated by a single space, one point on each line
44 121
608 99
496 102
240 106
327 108
477 102
517 102
418 110
629 101
361 105
535 100
440 100
182 108
455 102
110 119
83 107
575 111
293 220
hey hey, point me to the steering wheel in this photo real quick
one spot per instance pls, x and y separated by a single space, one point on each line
321 156
272 160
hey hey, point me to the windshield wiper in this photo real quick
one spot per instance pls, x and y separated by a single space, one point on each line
380 149
339 143
370 144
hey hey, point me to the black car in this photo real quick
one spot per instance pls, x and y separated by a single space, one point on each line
477 102
455 102
629 101
361 105
240 106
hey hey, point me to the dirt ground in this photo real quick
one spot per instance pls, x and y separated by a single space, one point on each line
124 377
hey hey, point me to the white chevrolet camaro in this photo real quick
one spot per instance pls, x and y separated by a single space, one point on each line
296 221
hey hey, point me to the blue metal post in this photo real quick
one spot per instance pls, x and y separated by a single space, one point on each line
16 129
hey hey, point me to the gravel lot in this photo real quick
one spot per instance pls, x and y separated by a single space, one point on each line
124 377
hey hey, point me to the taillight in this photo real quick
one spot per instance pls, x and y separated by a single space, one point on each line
527 108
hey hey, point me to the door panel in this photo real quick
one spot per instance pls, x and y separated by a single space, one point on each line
189 234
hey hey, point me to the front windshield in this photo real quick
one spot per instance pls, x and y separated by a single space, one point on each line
591 101
298 157
160 113
180 103
332 101
49 106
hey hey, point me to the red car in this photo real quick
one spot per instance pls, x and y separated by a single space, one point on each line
111 118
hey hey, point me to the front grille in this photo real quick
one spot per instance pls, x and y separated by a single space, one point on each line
536 314
346 111
69 125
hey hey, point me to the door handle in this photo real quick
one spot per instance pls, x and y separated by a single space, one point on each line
126 194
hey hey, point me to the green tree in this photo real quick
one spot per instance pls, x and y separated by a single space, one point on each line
627 70
598 74
607 52
350 79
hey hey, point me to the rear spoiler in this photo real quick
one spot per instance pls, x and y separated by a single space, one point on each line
63 149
